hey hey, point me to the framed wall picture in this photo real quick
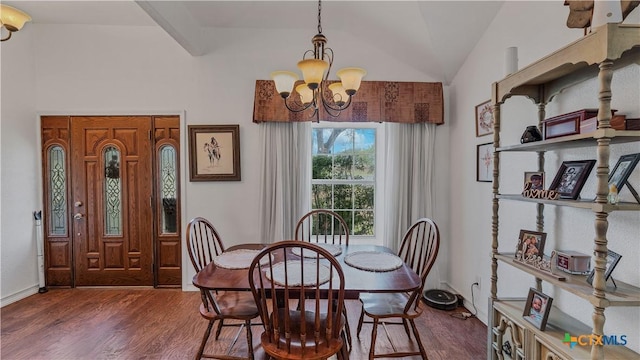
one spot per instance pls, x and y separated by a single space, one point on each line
535 178
484 119
620 173
484 162
531 243
612 260
537 308
214 153
571 178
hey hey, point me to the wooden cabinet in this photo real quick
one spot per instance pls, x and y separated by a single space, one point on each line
595 55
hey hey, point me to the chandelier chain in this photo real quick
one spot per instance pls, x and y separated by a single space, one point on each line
319 17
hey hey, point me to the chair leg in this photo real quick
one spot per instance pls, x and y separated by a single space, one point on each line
406 327
420 346
249 338
207 333
347 329
374 334
219 328
360 322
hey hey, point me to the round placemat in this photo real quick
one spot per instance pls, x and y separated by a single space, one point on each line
333 249
238 259
293 273
373 261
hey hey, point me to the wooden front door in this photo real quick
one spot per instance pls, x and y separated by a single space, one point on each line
111 200
111 189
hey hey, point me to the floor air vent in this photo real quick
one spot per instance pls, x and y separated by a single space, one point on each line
440 299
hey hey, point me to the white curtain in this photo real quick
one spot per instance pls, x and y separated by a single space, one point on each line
409 176
286 178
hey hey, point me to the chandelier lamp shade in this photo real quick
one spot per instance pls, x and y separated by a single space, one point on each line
12 19
317 89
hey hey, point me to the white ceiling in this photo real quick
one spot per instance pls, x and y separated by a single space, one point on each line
435 37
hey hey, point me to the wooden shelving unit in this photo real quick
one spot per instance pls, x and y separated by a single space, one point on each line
594 56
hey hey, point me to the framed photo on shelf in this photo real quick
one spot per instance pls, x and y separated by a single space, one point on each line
571 178
214 152
612 260
484 162
531 243
484 119
535 178
624 167
537 308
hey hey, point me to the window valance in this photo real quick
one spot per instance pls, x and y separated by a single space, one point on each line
376 101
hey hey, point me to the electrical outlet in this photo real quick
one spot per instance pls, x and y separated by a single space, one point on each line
478 282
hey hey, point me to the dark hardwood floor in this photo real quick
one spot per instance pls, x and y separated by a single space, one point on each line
70 324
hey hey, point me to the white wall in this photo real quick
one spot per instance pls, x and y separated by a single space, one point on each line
85 69
537 29
19 165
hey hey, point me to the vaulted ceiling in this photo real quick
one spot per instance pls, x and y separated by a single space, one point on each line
434 37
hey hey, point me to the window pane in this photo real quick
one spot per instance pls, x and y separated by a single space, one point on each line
168 189
321 197
348 218
363 196
57 191
342 167
112 192
364 166
364 139
322 165
342 197
363 223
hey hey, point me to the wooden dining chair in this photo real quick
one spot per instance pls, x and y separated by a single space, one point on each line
204 243
322 226
325 226
297 326
419 249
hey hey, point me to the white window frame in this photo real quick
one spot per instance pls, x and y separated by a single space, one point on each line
378 206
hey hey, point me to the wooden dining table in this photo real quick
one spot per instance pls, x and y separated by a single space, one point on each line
402 279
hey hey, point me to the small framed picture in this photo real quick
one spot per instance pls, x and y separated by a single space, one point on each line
537 308
484 119
484 162
571 178
612 260
214 153
624 167
535 178
531 243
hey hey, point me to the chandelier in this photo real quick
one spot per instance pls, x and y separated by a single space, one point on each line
12 19
334 97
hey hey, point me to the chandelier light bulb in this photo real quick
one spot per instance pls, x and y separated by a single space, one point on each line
313 71
351 78
306 94
284 81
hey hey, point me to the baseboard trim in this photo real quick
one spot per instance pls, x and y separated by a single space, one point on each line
22 294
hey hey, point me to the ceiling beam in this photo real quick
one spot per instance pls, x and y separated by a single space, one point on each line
176 20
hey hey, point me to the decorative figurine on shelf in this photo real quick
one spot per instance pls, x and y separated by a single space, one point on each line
531 134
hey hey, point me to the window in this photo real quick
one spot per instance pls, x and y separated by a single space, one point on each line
345 177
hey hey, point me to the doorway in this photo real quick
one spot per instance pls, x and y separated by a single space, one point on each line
111 200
